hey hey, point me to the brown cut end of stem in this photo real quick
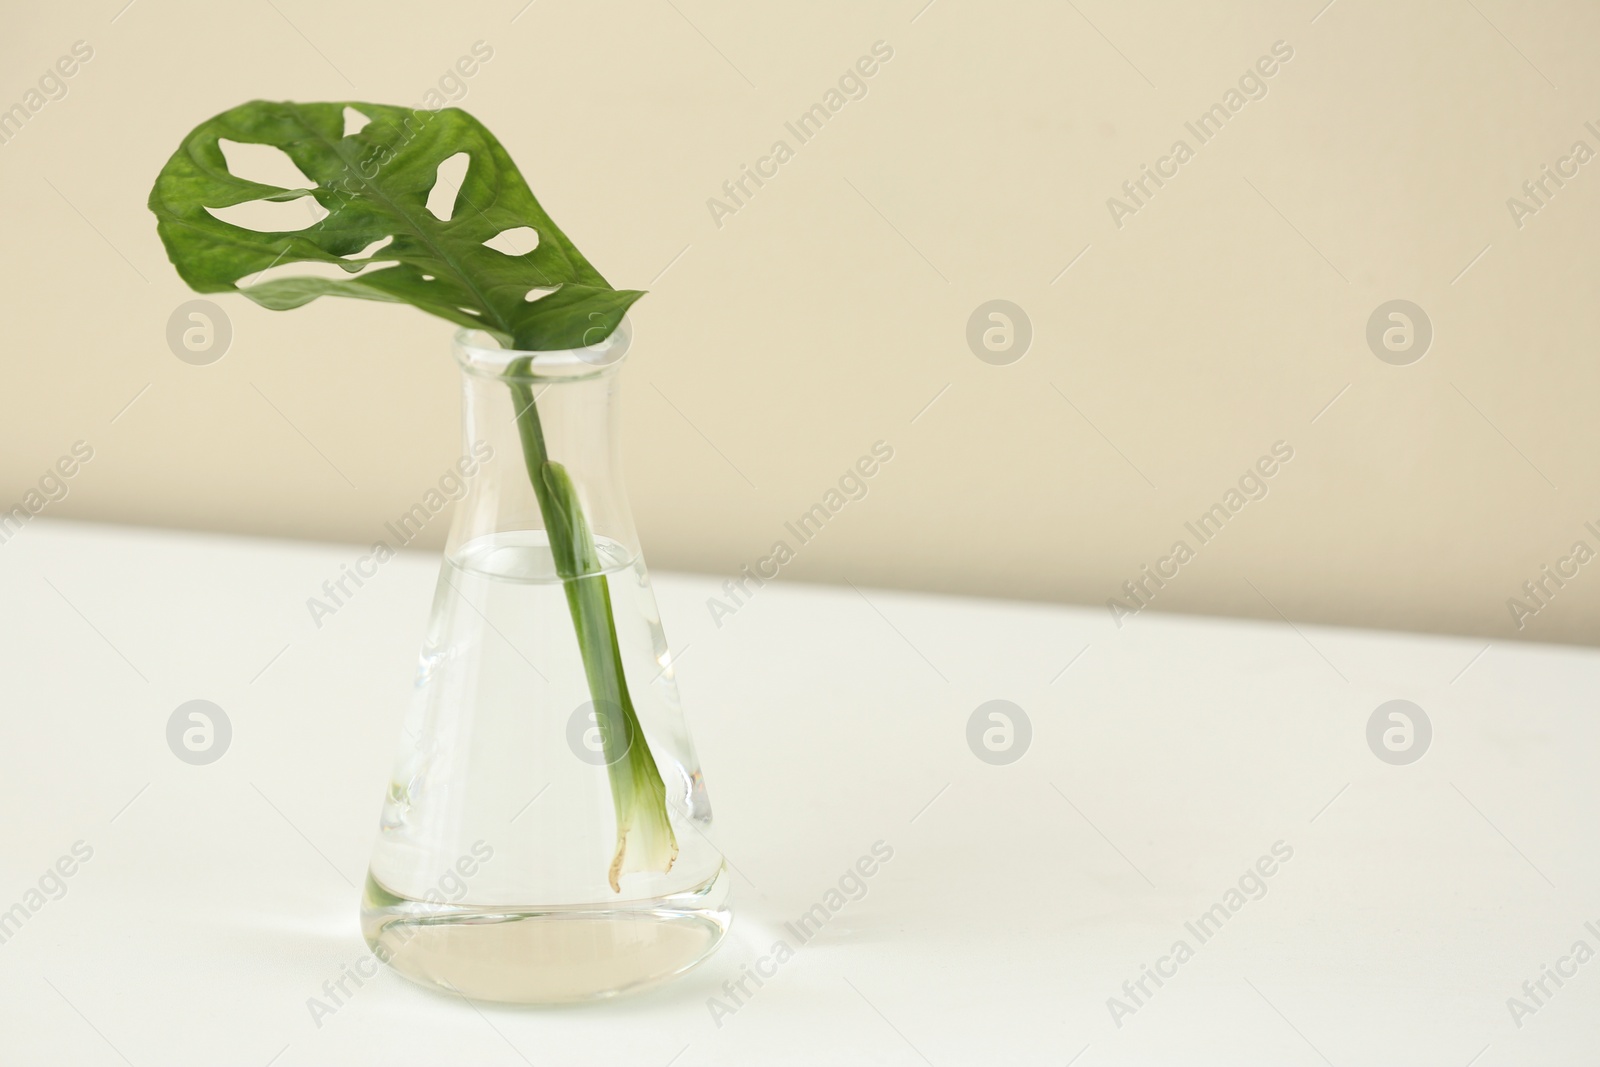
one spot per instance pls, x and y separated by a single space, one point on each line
614 875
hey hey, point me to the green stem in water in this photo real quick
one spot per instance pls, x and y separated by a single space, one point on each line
645 841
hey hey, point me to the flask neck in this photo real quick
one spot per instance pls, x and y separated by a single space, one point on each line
530 420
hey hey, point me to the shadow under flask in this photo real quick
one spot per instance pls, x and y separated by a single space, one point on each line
545 836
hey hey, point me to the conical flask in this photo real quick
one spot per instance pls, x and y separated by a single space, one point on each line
545 833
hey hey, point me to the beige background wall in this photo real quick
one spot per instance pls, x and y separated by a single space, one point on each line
825 314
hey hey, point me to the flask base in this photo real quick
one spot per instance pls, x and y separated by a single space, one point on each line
546 954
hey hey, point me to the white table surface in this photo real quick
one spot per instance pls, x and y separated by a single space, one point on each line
1169 757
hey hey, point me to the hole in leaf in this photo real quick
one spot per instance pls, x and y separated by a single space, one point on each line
263 163
517 241
540 293
354 121
471 311
273 216
427 277
446 185
326 271
367 252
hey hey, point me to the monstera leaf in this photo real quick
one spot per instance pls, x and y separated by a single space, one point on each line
375 184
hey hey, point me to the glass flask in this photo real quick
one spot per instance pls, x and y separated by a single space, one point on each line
545 834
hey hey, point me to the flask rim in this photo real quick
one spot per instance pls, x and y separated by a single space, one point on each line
480 355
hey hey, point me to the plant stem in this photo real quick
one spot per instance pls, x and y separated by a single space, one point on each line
637 791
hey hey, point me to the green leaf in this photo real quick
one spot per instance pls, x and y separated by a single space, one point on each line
375 184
